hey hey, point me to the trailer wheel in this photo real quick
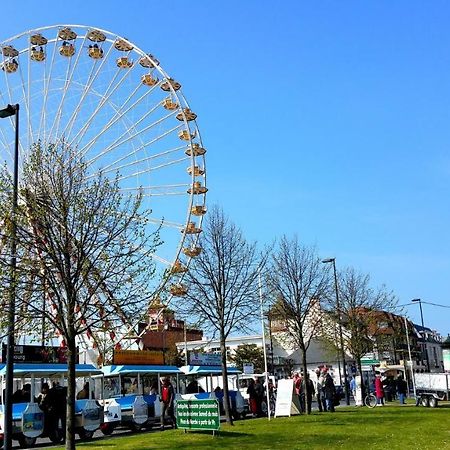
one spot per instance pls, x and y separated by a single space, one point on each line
136 426
107 428
56 436
433 402
85 435
25 441
425 401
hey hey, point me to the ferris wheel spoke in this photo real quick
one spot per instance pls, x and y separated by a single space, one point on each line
111 89
11 118
161 259
91 79
142 160
118 116
66 88
5 143
165 223
120 113
46 85
59 110
147 144
167 189
30 127
153 168
121 140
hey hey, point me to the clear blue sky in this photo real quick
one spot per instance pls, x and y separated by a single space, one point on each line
326 119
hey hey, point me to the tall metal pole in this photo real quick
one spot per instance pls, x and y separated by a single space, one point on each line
185 345
341 338
410 358
12 295
264 345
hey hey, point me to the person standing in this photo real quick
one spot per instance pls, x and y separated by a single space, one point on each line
298 391
319 390
307 382
402 388
259 391
329 392
252 397
353 386
379 392
167 398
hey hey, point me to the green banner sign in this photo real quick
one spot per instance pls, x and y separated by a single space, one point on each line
198 414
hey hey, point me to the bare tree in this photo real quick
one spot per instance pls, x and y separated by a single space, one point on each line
298 281
223 287
359 311
85 255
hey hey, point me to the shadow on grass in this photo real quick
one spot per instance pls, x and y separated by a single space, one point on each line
222 433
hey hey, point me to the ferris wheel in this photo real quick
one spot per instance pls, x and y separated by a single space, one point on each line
101 94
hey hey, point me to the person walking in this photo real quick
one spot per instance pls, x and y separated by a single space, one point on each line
379 391
167 398
402 388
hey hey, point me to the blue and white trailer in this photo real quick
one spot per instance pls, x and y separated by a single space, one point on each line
29 419
129 399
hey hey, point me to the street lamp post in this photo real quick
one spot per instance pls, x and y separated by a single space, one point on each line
264 344
9 111
418 300
409 354
341 338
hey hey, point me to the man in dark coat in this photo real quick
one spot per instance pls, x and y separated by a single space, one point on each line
329 392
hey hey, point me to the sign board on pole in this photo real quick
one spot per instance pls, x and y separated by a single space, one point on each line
446 358
204 359
38 354
198 414
287 403
248 368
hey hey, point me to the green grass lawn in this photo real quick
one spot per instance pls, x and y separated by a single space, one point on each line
390 427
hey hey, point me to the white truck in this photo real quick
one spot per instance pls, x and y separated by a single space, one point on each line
432 388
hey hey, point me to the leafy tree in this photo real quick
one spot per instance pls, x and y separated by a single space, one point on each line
249 353
223 288
298 280
85 255
174 357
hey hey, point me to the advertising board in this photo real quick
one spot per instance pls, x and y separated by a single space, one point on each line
154 357
204 359
198 414
38 354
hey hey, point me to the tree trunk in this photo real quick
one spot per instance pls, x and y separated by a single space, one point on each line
71 386
305 382
226 396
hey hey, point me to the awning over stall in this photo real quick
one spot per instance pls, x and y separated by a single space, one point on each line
208 370
115 370
50 370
